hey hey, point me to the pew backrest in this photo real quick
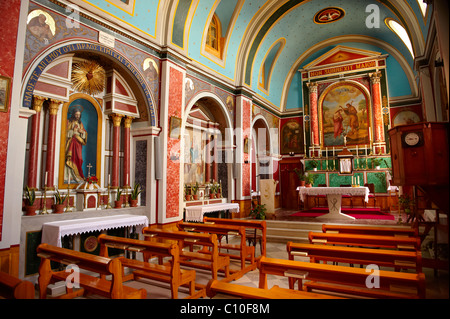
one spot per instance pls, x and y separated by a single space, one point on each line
370 230
14 288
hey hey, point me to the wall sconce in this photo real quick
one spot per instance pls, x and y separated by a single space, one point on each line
291 153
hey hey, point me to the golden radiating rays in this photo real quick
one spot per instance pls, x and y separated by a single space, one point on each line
88 77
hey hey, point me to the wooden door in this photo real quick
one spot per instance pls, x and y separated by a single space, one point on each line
289 183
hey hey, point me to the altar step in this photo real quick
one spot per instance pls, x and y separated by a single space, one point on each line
282 231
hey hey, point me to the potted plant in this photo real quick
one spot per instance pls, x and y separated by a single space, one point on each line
187 192
314 164
134 195
376 162
259 212
118 201
59 205
300 176
406 203
194 190
309 180
212 190
30 197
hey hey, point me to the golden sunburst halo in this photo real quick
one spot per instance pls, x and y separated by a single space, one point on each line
88 77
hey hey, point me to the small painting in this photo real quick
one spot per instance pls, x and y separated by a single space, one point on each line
175 127
292 138
5 83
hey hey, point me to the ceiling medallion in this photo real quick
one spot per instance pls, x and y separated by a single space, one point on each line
88 77
328 15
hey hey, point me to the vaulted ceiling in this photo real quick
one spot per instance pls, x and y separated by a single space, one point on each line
281 34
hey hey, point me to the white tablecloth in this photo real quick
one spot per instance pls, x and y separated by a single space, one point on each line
53 231
354 191
195 213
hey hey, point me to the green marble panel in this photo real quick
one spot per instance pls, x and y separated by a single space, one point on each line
379 180
32 261
335 180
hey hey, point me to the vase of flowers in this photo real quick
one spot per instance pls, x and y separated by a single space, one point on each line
91 180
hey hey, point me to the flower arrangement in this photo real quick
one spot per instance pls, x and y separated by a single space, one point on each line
92 180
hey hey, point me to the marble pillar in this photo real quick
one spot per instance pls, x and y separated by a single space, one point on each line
38 101
126 150
378 132
115 170
51 141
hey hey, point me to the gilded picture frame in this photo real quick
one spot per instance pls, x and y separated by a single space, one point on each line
5 88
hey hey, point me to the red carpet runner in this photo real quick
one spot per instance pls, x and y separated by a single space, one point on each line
358 213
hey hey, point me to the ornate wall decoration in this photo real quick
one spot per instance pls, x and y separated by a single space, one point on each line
329 15
88 77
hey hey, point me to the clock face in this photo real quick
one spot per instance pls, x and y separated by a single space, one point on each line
412 139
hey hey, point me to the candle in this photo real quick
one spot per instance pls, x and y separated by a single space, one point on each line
326 151
370 135
312 137
358 180
45 183
333 151
126 182
109 179
357 150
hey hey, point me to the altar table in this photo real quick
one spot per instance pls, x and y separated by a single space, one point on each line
334 198
53 231
195 213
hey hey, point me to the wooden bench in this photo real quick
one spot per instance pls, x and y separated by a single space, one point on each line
113 289
344 280
244 250
389 242
14 288
209 259
370 230
169 272
251 226
355 255
215 287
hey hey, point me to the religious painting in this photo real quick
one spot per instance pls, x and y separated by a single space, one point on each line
174 127
329 15
344 115
194 157
5 83
41 25
406 117
80 141
150 67
291 137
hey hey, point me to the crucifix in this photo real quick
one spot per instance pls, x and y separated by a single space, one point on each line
89 166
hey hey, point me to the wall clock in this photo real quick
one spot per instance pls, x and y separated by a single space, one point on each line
412 139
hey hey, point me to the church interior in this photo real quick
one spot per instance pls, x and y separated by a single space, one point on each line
250 149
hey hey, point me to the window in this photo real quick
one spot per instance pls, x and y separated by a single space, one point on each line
422 6
400 31
213 38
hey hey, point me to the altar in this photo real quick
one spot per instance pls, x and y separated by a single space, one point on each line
195 213
53 231
334 198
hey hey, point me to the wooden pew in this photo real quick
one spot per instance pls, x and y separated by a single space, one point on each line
344 280
389 242
253 224
355 255
170 272
244 250
370 230
113 289
14 288
215 287
209 260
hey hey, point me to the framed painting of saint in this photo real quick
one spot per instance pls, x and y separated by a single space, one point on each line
344 115
80 141
292 138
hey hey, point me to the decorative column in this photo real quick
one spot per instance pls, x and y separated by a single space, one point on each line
215 172
378 134
115 170
126 150
38 101
51 140
314 115
208 158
